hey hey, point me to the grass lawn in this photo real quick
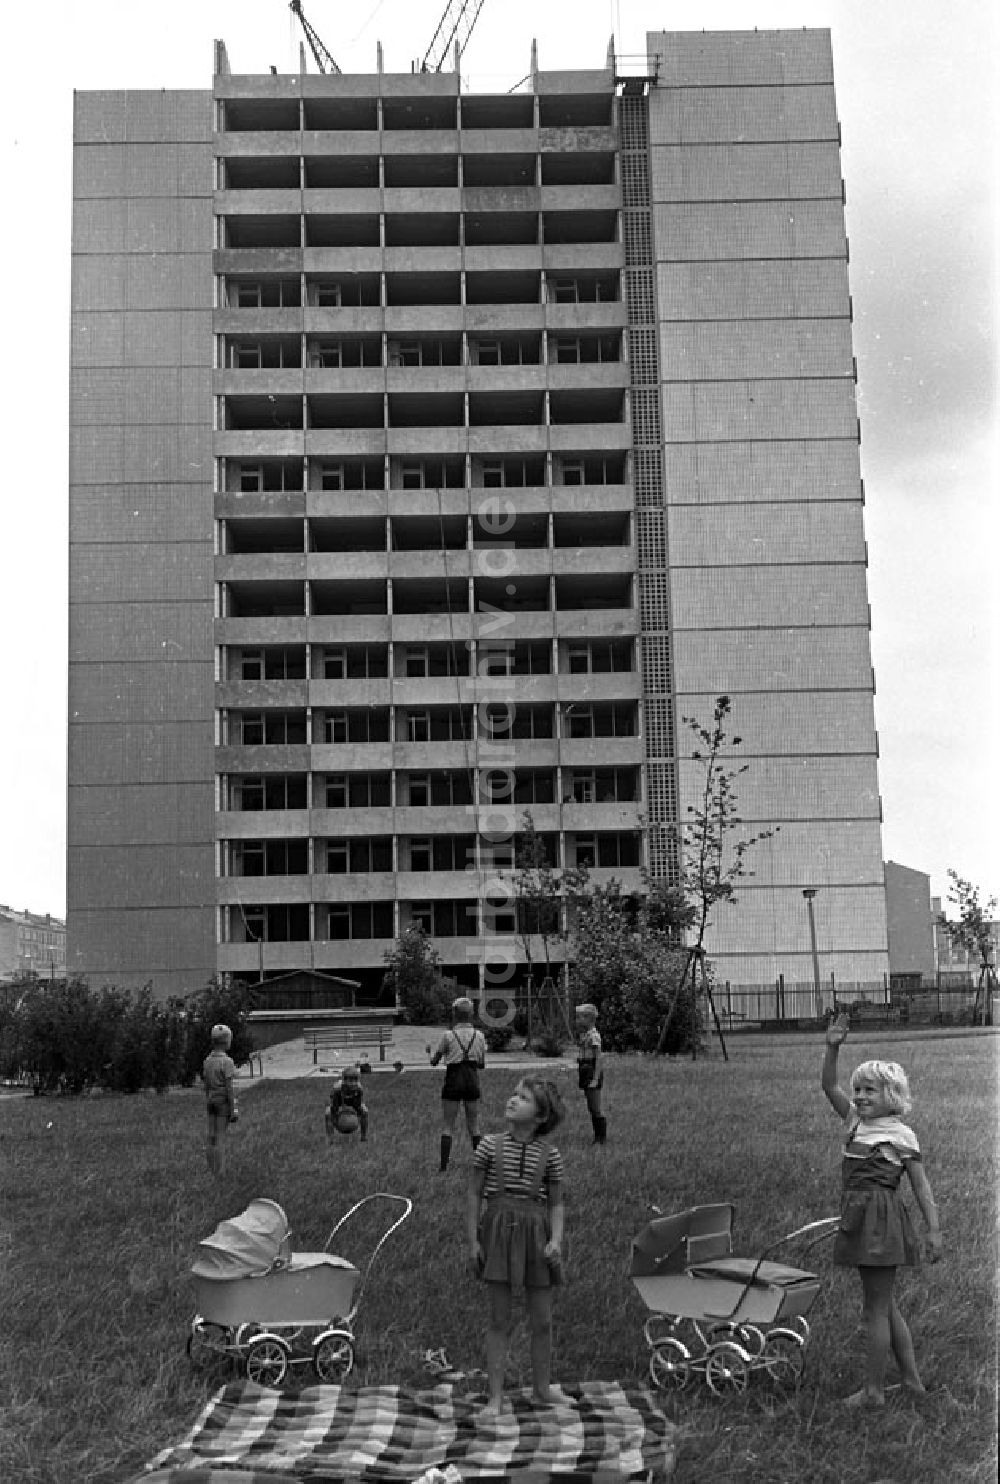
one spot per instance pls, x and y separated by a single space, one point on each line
103 1202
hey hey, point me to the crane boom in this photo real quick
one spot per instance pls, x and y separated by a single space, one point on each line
324 61
455 26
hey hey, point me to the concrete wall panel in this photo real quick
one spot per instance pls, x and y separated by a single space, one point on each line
139 512
725 411
741 472
162 946
140 632
105 692
728 661
781 596
112 754
758 535
141 814
746 172
775 789
789 722
743 114
142 572
782 289
709 59
750 229
752 349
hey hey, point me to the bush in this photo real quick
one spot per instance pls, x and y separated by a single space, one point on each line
498 1037
549 1043
413 978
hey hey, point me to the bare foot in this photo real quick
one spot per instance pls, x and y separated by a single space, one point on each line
860 1399
492 1408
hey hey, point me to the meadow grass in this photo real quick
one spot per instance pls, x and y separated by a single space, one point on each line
104 1202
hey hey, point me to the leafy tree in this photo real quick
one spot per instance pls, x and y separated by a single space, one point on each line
972 932
413 976
711 861
225 1001
538 902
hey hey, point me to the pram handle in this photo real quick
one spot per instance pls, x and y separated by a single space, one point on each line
823 1228
378 1195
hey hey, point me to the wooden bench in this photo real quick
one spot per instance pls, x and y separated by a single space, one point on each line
248 1061
319 1038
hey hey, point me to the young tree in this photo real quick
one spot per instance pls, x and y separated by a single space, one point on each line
712 862
413 976
537 898
973 933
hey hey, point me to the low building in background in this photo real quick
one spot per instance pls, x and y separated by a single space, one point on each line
31 943
910 921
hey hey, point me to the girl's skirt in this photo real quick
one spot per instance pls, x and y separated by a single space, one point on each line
875 1231
513 1235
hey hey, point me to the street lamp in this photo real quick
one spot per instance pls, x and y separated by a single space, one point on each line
809 893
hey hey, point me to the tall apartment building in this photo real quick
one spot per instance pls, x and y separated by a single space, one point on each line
433 455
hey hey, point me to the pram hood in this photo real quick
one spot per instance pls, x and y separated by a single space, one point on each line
248 1245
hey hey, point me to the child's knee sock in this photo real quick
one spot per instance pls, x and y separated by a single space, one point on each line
445 1150
600 1128
475 1140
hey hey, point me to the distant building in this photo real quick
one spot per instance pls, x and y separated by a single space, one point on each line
31 944
910 920
949 958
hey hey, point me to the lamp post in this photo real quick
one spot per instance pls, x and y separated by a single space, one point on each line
809 893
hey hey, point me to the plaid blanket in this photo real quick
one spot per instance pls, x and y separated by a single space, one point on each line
593 1433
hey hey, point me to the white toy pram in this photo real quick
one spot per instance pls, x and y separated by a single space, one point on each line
269 1307
721 1315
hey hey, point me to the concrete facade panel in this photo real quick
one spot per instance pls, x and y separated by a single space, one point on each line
141 814
97 339
142 572
99 281
706 412
176 114
813 531
110 754
787 289
705 231
806 788
166 947
123 876
790 722
737 660
102 693
140 632
752 349
167 338
758 114
117 395
742 472
709 59
746 172
773 921
824 852
167 280
782 596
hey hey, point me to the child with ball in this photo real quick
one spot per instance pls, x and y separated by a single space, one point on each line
347 1110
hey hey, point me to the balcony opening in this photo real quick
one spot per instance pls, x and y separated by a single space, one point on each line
430 595
354 724
501 229
530 595
430 474
349 410
261 231
347 533
260 115
258 792
419 113
262 353
410 289
428 533
264 599
426 410
605 849
498 111
591 469
594 528
575 110
267 662
275 922
263 293
363 920
583 288
430 661
420 172
579 167
498 287
245 537
601 785
595 590
439 350
559 227
342 231
351 662
507 473
582 350
264 173
527 531
345 291
350 596
597 656
271 728
510 170
433 723
334 115
440 789
268 857
341 172
360 854
261 413
422 229
247 476
354 790
500 409
345 353
505 350
347 474
583 719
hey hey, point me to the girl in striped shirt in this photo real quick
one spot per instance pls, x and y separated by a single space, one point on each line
515 1218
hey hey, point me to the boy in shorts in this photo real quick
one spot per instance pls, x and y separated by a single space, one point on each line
218 1075
463 1050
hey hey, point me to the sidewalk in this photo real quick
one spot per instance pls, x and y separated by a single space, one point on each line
290 1059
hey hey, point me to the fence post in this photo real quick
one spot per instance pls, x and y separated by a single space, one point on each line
779 997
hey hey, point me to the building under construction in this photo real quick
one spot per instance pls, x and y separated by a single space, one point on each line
433 455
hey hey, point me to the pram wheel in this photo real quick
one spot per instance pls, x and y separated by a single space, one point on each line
727 1368
333 1357
670 1366
267 1361
205 1343
784 1358
747 1336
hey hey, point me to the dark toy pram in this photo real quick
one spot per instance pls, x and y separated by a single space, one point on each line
270 1308
717 1314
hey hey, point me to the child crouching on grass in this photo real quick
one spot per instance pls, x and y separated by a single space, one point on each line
516 1241
876 1234
346 1094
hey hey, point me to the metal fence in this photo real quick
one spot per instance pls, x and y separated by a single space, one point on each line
947 999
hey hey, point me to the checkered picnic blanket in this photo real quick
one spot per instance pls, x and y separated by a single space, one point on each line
594 1433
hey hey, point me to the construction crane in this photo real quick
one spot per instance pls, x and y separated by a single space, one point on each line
324 61
454 30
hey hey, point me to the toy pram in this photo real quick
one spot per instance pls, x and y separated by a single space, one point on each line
270 1308
720 1315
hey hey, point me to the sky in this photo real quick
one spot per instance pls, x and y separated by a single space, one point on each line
916 85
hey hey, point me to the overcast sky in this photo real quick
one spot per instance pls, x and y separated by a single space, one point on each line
916 86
